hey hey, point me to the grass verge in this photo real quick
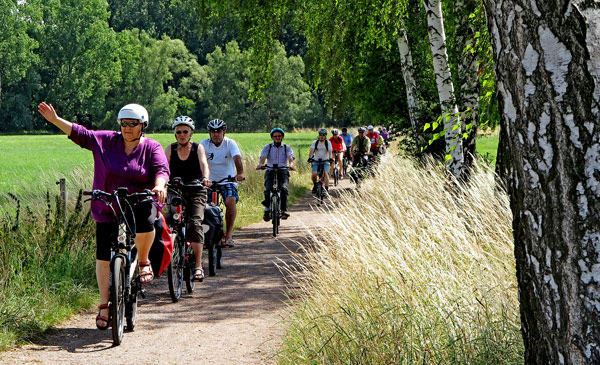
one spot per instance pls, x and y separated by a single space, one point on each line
424 274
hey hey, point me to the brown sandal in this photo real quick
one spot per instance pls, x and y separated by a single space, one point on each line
146 276
103 318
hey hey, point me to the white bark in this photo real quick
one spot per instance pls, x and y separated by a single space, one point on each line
409 81
547 64
443 78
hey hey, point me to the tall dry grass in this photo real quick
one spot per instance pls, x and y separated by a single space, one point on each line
416 270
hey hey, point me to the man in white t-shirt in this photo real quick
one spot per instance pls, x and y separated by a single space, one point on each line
224 160
321 149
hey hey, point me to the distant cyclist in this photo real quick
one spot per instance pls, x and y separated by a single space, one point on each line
187 160
361 146
321 149
385 135
283 156
376 142
224 159
339 147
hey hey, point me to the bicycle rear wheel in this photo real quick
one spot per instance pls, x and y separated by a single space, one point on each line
275 214
175 269
320 192
336 175
188 268
117 299
219 257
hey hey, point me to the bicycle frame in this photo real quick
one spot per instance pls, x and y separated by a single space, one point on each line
122 250
275 196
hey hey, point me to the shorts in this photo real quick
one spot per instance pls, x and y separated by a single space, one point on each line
326 166
106 232
226 190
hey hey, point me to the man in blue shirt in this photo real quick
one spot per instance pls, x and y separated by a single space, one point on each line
279 154
348 141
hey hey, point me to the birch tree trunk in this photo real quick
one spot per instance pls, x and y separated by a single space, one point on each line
468 76
547 64
443 78
408 70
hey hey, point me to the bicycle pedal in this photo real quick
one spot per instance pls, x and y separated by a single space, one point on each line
143 293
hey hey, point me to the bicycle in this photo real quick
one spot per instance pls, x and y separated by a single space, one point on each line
275 196
336 168
124 272
214 237
183 259
345 161
361 167
321 177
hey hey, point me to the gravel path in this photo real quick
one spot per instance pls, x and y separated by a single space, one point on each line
231 318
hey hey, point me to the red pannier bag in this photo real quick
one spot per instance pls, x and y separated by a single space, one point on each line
162 247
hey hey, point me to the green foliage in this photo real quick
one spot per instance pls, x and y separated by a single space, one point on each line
79 53
46 266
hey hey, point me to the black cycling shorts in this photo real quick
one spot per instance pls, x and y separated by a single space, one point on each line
106 232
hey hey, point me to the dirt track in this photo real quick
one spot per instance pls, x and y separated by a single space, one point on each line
232 318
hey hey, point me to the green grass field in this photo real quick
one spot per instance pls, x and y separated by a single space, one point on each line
30 165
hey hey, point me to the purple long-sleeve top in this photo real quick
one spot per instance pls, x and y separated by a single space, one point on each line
113 168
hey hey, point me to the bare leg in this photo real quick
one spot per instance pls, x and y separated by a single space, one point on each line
143 242
103 279
198 246
230 214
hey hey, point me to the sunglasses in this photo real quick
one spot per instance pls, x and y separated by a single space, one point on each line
322 134
129 124
184 132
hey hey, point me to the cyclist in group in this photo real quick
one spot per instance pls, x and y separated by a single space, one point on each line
385 135
321 149
361 147
282 155
376 142
187 160
348 142
224 160
121 159
339 147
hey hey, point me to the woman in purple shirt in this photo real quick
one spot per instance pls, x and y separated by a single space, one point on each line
125 159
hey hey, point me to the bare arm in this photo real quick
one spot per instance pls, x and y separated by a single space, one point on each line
168 153
239 167
261 162
48 112
204 165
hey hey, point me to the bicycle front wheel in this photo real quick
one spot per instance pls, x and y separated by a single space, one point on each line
275 214
336 176
117 299
188 268
175 269
131 302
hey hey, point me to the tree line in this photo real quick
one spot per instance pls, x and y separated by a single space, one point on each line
89 58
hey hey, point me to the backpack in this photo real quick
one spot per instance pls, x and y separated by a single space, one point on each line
326 145
284 151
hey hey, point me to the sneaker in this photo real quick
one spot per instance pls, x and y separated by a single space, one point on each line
267 216
314 190
284 215
228 243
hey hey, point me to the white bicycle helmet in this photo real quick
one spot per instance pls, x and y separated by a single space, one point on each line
216 124
184 120
361 129
370 127
335 131
134 111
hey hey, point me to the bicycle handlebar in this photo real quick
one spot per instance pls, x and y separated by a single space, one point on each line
320 160
274 167
119 192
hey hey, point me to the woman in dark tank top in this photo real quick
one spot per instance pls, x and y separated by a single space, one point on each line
187 160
